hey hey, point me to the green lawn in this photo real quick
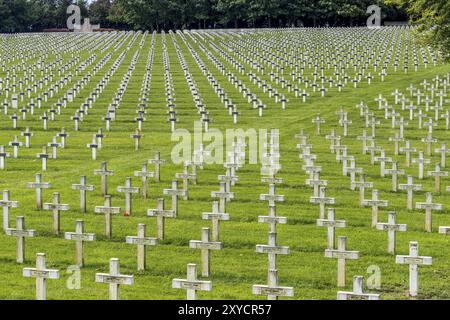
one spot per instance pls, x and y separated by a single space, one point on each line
237 267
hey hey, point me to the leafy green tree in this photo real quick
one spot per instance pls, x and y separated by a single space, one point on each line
232 11
99 11
432 17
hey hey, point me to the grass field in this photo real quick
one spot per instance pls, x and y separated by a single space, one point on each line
237 267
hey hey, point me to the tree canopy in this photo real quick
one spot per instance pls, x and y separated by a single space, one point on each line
35 15
432 18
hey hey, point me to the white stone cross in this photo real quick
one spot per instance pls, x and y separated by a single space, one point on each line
137 137
15 144
421 161
205 245
99 135
186 176
322 200
63 135
44 156
316 183
128 190
364 138
93 146
192 284
396 139
410 187
41 273
402 124
271 197
345 158
373 150
3 156
83 187
353 170
160 215
375 203
223 195
395 172
272 219
144 174
56 207
446 116
341 254
230 179
142 241
38 185
157 162
413 260
345 122
27 134
20 232
362 185
358 291
215 216
104 173
54 145
175 193
7 204
79 236
429 140
437 174
272 290
330 223
429 206
333 138
382 159
114 278
408 150
443 151
318 121
108 210
391 227
272 250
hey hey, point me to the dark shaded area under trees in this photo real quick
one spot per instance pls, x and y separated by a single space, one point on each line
36 15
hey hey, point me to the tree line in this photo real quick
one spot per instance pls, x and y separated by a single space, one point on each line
36 15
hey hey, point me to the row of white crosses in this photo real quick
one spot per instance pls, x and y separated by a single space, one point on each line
341 253
319 197
199 103
57 207
69 96
232 78
220 91
170 93
395 172
191 284
268 171
82 112
244 50
391 226
20 231
66 79
214 83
